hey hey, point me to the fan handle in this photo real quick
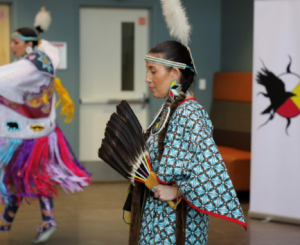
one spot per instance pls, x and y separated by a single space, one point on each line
152 181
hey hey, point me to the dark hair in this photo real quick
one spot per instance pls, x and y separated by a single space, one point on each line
28 32
177 52
173 51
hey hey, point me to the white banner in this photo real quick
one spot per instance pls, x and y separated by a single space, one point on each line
275 165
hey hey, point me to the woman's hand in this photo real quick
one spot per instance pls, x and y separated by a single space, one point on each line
166 192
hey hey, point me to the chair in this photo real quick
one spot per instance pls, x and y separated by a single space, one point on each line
231 117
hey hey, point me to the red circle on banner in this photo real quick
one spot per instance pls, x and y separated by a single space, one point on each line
288 109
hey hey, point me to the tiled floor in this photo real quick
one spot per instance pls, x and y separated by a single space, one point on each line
95 217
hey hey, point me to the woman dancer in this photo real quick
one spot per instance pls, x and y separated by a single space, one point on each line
182 152
34 154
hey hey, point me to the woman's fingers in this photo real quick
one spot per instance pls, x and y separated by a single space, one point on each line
156 191
159 192
165 193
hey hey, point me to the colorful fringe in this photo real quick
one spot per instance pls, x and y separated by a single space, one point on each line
68 107
35 166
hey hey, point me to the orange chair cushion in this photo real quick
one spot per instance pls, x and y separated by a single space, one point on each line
238 166
231 154
233 86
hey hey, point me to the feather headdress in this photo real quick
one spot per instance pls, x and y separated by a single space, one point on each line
179 28
177 21
42 20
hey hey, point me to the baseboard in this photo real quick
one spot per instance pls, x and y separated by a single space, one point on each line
275 218
101 172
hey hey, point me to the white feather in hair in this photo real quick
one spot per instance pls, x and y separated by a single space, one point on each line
177 21
42 20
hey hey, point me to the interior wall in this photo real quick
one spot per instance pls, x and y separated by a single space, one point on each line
205 17
237 35
5 34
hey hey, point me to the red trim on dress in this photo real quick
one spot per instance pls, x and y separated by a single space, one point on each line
217 215
187 100
207 212
25 110
164 183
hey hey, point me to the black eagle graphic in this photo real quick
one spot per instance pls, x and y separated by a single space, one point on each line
276 91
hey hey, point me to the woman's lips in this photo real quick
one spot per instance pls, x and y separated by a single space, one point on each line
151 88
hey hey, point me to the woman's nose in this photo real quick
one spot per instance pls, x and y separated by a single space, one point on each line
148 80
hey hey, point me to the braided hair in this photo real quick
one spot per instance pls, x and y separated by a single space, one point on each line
177 52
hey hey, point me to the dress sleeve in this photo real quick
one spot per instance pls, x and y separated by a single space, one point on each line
192 160
17 73
180 145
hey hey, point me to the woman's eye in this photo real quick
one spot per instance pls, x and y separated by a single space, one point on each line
153 72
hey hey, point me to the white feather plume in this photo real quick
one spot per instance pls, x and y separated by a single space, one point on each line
42 19
177 21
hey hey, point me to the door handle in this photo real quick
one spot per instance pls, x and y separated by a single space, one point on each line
143 100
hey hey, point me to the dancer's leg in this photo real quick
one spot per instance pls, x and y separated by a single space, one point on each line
48 226
9 213
47 209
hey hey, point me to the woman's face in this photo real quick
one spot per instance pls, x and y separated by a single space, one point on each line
159 78
18 46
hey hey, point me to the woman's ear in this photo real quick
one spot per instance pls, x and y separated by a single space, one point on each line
29 44
175 73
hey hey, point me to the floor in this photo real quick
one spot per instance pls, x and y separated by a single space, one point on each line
95 217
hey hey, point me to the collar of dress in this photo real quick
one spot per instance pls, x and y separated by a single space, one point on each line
161 118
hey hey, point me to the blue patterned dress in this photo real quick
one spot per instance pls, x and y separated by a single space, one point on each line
191 160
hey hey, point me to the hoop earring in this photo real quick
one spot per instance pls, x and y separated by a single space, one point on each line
28 50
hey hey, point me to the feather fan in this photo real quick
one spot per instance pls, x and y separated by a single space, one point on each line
42 20
124 148
177 21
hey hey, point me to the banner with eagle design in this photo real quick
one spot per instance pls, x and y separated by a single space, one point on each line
275 164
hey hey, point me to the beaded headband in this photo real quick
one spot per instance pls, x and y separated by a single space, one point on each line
169 63
27 39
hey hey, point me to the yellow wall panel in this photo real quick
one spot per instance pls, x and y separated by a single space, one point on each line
4 34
